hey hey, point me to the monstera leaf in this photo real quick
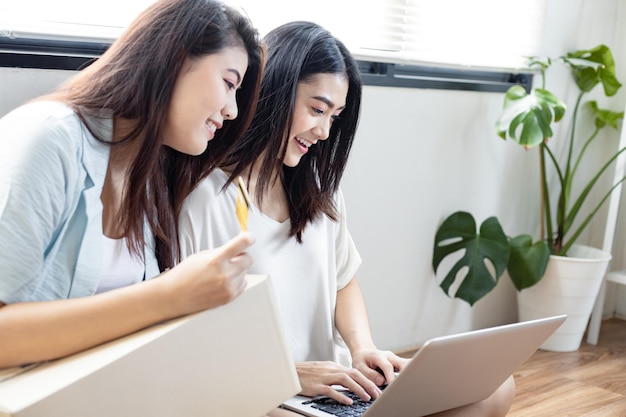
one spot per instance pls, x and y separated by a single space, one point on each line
485 255
458 232
593 66
528 261
605 117
527 118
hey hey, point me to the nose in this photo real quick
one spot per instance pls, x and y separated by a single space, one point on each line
230 110
322 129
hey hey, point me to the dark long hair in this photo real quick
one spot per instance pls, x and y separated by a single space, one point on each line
297 52
135 78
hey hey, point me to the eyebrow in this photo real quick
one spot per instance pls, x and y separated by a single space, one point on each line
327 101
237 74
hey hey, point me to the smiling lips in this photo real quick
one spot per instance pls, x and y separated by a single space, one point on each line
303 145
212 128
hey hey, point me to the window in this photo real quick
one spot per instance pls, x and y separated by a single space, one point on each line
451 44
68 19
478 34
61 34
423 43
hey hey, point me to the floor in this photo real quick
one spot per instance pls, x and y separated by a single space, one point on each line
588 382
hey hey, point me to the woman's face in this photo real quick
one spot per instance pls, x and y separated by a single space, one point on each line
319 101
203 97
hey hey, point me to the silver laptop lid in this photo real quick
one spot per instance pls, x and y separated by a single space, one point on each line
455 370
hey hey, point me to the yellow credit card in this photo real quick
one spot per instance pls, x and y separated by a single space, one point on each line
242 205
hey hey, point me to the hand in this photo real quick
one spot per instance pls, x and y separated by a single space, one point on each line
317 378
379 366
209 278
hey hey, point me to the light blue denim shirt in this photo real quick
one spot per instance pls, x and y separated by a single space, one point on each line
51 175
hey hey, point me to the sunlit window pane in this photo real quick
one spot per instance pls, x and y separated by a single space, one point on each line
458 33
69 18
478 33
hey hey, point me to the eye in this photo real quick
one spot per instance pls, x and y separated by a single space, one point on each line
336 117
318 111
229 84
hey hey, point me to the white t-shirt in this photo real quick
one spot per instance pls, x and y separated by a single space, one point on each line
123 267
305 276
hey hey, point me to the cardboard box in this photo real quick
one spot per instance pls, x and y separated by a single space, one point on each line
229 361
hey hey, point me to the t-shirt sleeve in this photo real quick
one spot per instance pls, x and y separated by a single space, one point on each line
347 257
192 222
207 218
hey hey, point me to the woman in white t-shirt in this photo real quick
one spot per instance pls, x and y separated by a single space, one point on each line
92 178
292 159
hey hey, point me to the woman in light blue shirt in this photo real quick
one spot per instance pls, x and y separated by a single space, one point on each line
92 178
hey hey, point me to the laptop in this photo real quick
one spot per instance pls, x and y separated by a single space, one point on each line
193 366
447 372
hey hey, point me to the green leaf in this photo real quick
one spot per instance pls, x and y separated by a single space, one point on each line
605 117
527 118
542 62
528 261
593 66
552 102
458 233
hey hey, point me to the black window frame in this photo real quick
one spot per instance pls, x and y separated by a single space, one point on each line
33 52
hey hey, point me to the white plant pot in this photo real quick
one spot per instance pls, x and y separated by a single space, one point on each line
569 286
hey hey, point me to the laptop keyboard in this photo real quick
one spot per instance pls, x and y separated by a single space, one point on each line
334 407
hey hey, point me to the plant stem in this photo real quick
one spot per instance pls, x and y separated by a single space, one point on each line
542 196
573 134
566 185
555 241
545 198
570 242
584 149
583 195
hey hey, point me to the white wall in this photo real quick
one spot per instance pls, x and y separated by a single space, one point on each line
420 155
18 85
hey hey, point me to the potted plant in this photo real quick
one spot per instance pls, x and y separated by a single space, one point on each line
529 119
